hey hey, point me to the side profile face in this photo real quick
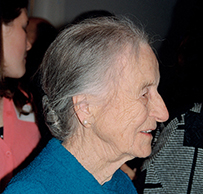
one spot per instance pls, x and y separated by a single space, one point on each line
126 124
15 46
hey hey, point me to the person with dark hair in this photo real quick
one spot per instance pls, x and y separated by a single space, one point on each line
40 34
101 103
19 132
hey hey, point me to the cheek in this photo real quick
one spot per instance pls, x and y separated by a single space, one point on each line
14 48
127 115
20 43
124 116
128 123
138 114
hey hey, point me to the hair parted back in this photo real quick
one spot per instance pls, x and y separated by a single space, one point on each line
81 60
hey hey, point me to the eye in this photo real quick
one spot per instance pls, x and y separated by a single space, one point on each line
145 92
145 96
24 28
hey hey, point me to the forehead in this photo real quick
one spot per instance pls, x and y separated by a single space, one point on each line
147 62
22 17
139 68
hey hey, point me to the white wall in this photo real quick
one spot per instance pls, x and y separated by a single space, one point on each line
154 14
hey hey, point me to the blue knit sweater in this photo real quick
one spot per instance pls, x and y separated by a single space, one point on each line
56 170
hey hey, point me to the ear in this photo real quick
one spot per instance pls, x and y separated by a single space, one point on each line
82 110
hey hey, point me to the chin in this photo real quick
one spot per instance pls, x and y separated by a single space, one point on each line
145 153
17 76
21 74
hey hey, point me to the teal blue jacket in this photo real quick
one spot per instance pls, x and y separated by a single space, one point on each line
56 170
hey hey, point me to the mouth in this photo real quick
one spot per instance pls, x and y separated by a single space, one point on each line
146 132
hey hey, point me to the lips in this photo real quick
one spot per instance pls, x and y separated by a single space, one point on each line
148 131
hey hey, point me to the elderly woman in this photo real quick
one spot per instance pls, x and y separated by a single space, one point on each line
100 78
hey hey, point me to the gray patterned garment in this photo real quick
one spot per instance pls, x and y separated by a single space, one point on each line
176 163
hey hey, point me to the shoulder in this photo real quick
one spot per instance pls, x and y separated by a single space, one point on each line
18 187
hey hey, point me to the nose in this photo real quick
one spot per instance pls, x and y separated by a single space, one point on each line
28 46
158 109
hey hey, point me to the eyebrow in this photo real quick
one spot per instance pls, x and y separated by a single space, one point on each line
147 84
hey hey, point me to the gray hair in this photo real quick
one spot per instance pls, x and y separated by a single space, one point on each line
81 60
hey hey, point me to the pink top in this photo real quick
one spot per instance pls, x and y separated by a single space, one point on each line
21 136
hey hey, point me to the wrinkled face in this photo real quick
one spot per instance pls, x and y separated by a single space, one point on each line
126 124
15 46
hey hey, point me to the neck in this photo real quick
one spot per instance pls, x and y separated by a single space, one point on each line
94 155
